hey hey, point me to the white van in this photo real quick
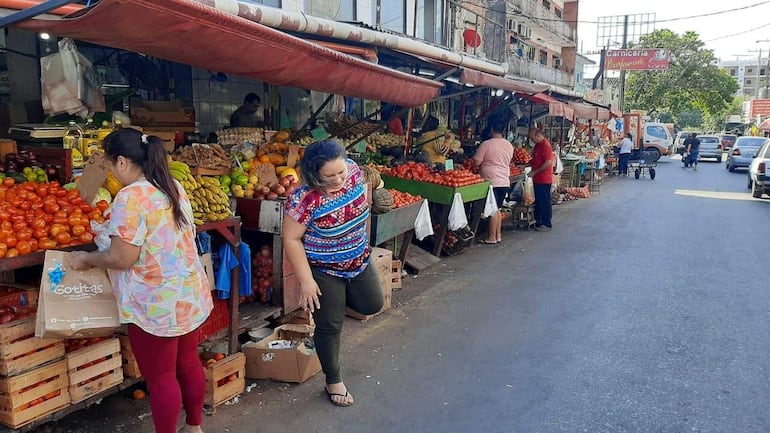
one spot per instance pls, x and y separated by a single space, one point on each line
657 137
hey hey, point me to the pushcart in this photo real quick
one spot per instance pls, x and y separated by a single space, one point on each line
642 162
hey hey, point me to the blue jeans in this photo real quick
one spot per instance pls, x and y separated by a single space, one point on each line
623 163
694 158
543 204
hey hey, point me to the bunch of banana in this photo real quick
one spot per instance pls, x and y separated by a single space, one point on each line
209 202
179 170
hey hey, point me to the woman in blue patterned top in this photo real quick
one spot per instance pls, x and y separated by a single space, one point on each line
325 239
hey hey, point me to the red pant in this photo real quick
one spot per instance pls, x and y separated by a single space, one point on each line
174 376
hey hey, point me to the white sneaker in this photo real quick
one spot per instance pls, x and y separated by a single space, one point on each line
695 169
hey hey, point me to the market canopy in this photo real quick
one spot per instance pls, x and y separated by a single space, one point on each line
556 108
589 111
483 79
187 32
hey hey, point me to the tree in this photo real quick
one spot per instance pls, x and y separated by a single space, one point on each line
692 82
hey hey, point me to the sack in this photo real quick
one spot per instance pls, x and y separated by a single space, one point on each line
528 194
457 217
74 304
423 227
69 83
490 206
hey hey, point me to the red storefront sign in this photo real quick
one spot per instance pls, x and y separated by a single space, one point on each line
760 107
636 60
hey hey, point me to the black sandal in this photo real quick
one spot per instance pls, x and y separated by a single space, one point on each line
331 396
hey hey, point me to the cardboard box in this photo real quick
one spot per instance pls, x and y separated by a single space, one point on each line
296 364
161 113
381 259
168 137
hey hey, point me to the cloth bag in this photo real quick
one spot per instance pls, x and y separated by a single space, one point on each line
457 217
423 226
528 193
74 304
490 206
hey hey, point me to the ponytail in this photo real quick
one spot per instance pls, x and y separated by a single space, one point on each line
148 153
156 171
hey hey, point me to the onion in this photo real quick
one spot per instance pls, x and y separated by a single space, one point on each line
285 182
278 189
272 196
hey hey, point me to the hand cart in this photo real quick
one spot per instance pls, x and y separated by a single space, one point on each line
642 162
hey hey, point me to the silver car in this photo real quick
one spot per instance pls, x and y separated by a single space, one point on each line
759 171
710 147
742 152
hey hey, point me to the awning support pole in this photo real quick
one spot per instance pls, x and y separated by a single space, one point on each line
312 117
39 9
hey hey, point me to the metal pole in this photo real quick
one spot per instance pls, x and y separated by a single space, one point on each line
622 101
312 117
767 73
759 65
31 12
378 14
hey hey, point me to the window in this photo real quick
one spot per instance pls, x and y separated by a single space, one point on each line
556 62
558 12
657 131
543 57
392 15
748 82
430 20
338 10
733 72
749 70
547 4
272 3
762 71
530 53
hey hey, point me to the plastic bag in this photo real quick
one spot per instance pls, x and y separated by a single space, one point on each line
423 227
528 194
457 217
69 83
559 164
101 235
228 262
490 206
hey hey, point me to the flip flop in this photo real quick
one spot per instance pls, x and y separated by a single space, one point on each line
332 394
486 242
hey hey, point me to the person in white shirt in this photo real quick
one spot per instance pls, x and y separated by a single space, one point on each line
625 154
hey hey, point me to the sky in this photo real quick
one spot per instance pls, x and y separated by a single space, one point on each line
731 34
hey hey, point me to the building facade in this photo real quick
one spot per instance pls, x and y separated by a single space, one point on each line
751 76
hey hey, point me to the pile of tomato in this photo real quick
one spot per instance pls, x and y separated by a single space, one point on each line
75 344
420 172
44 216
403 199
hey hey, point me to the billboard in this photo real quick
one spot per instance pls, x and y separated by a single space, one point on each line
760 107
636 60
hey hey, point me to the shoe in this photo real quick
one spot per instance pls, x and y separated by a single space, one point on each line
543 228
695 169
331 399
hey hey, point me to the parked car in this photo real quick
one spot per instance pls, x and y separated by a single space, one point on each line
710 147
728 140
759 175
742 152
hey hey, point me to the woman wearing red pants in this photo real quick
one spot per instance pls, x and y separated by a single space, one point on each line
162 291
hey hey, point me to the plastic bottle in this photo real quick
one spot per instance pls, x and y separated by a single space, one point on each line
90 141
72 140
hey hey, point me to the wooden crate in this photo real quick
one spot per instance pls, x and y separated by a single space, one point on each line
216 393
94 369
381 259
130 367
33 395
395 274
21 351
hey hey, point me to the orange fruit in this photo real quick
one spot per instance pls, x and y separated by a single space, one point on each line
139 394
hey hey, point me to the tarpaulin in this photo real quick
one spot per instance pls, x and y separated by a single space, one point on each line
478 78
556 108
187 32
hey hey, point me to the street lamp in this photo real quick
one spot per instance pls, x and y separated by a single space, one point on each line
767 82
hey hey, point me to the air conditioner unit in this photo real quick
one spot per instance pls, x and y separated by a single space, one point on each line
524 31
528 33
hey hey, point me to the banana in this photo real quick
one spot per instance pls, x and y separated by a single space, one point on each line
197 222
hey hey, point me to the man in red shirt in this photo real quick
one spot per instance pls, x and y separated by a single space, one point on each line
542 177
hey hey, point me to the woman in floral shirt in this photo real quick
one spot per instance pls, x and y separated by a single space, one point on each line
324 236
162 290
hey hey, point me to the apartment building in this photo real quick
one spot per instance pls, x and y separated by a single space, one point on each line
751 76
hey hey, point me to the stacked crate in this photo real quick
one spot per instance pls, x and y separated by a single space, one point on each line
94 369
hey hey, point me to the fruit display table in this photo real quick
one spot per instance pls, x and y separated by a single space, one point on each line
397 222
442 196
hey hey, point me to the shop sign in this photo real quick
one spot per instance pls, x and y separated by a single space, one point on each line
5 82
319 133
636 60
760 107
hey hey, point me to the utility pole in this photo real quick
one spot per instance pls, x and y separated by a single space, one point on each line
767 70
623 73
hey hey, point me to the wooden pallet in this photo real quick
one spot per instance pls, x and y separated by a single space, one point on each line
130 366
94 369
33 395
21 351
225 379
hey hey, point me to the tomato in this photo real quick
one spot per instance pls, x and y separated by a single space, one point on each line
40 233
102 205
11 241
9 181
73 193
60 192
86 238
51 208
6 225
11 253
34 245
86 208
74 220
63 238
68 208
3 250
23 247
38 223
24 234
46 244
58 228
78 230
42 191
48 218
60 220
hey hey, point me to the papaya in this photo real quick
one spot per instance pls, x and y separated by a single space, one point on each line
277 159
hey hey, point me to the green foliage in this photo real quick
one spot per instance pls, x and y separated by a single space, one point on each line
693 81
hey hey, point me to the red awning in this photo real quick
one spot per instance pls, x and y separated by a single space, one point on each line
478 78
589 111
556 108
187 32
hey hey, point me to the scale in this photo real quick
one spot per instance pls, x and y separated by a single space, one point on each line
38 134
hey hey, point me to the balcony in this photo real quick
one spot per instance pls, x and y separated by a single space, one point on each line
525 68
534 12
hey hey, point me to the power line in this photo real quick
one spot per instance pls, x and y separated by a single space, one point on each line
739 33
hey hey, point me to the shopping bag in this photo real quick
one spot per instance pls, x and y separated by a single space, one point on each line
69 83
559 165
423 226
490 206
457 217
74 304
528 194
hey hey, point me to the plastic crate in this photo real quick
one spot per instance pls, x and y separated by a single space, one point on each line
218 320
464 238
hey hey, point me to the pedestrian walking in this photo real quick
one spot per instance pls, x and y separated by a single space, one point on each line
494 158
625 154
162 290
692 148
542 178
325 239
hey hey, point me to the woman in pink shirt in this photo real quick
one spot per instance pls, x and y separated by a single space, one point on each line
494 157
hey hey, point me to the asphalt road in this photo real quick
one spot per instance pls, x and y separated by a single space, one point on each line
644 310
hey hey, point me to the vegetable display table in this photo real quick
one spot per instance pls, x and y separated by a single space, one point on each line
397 222
441 197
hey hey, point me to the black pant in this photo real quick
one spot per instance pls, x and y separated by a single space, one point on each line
543 204
361 293
623 163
